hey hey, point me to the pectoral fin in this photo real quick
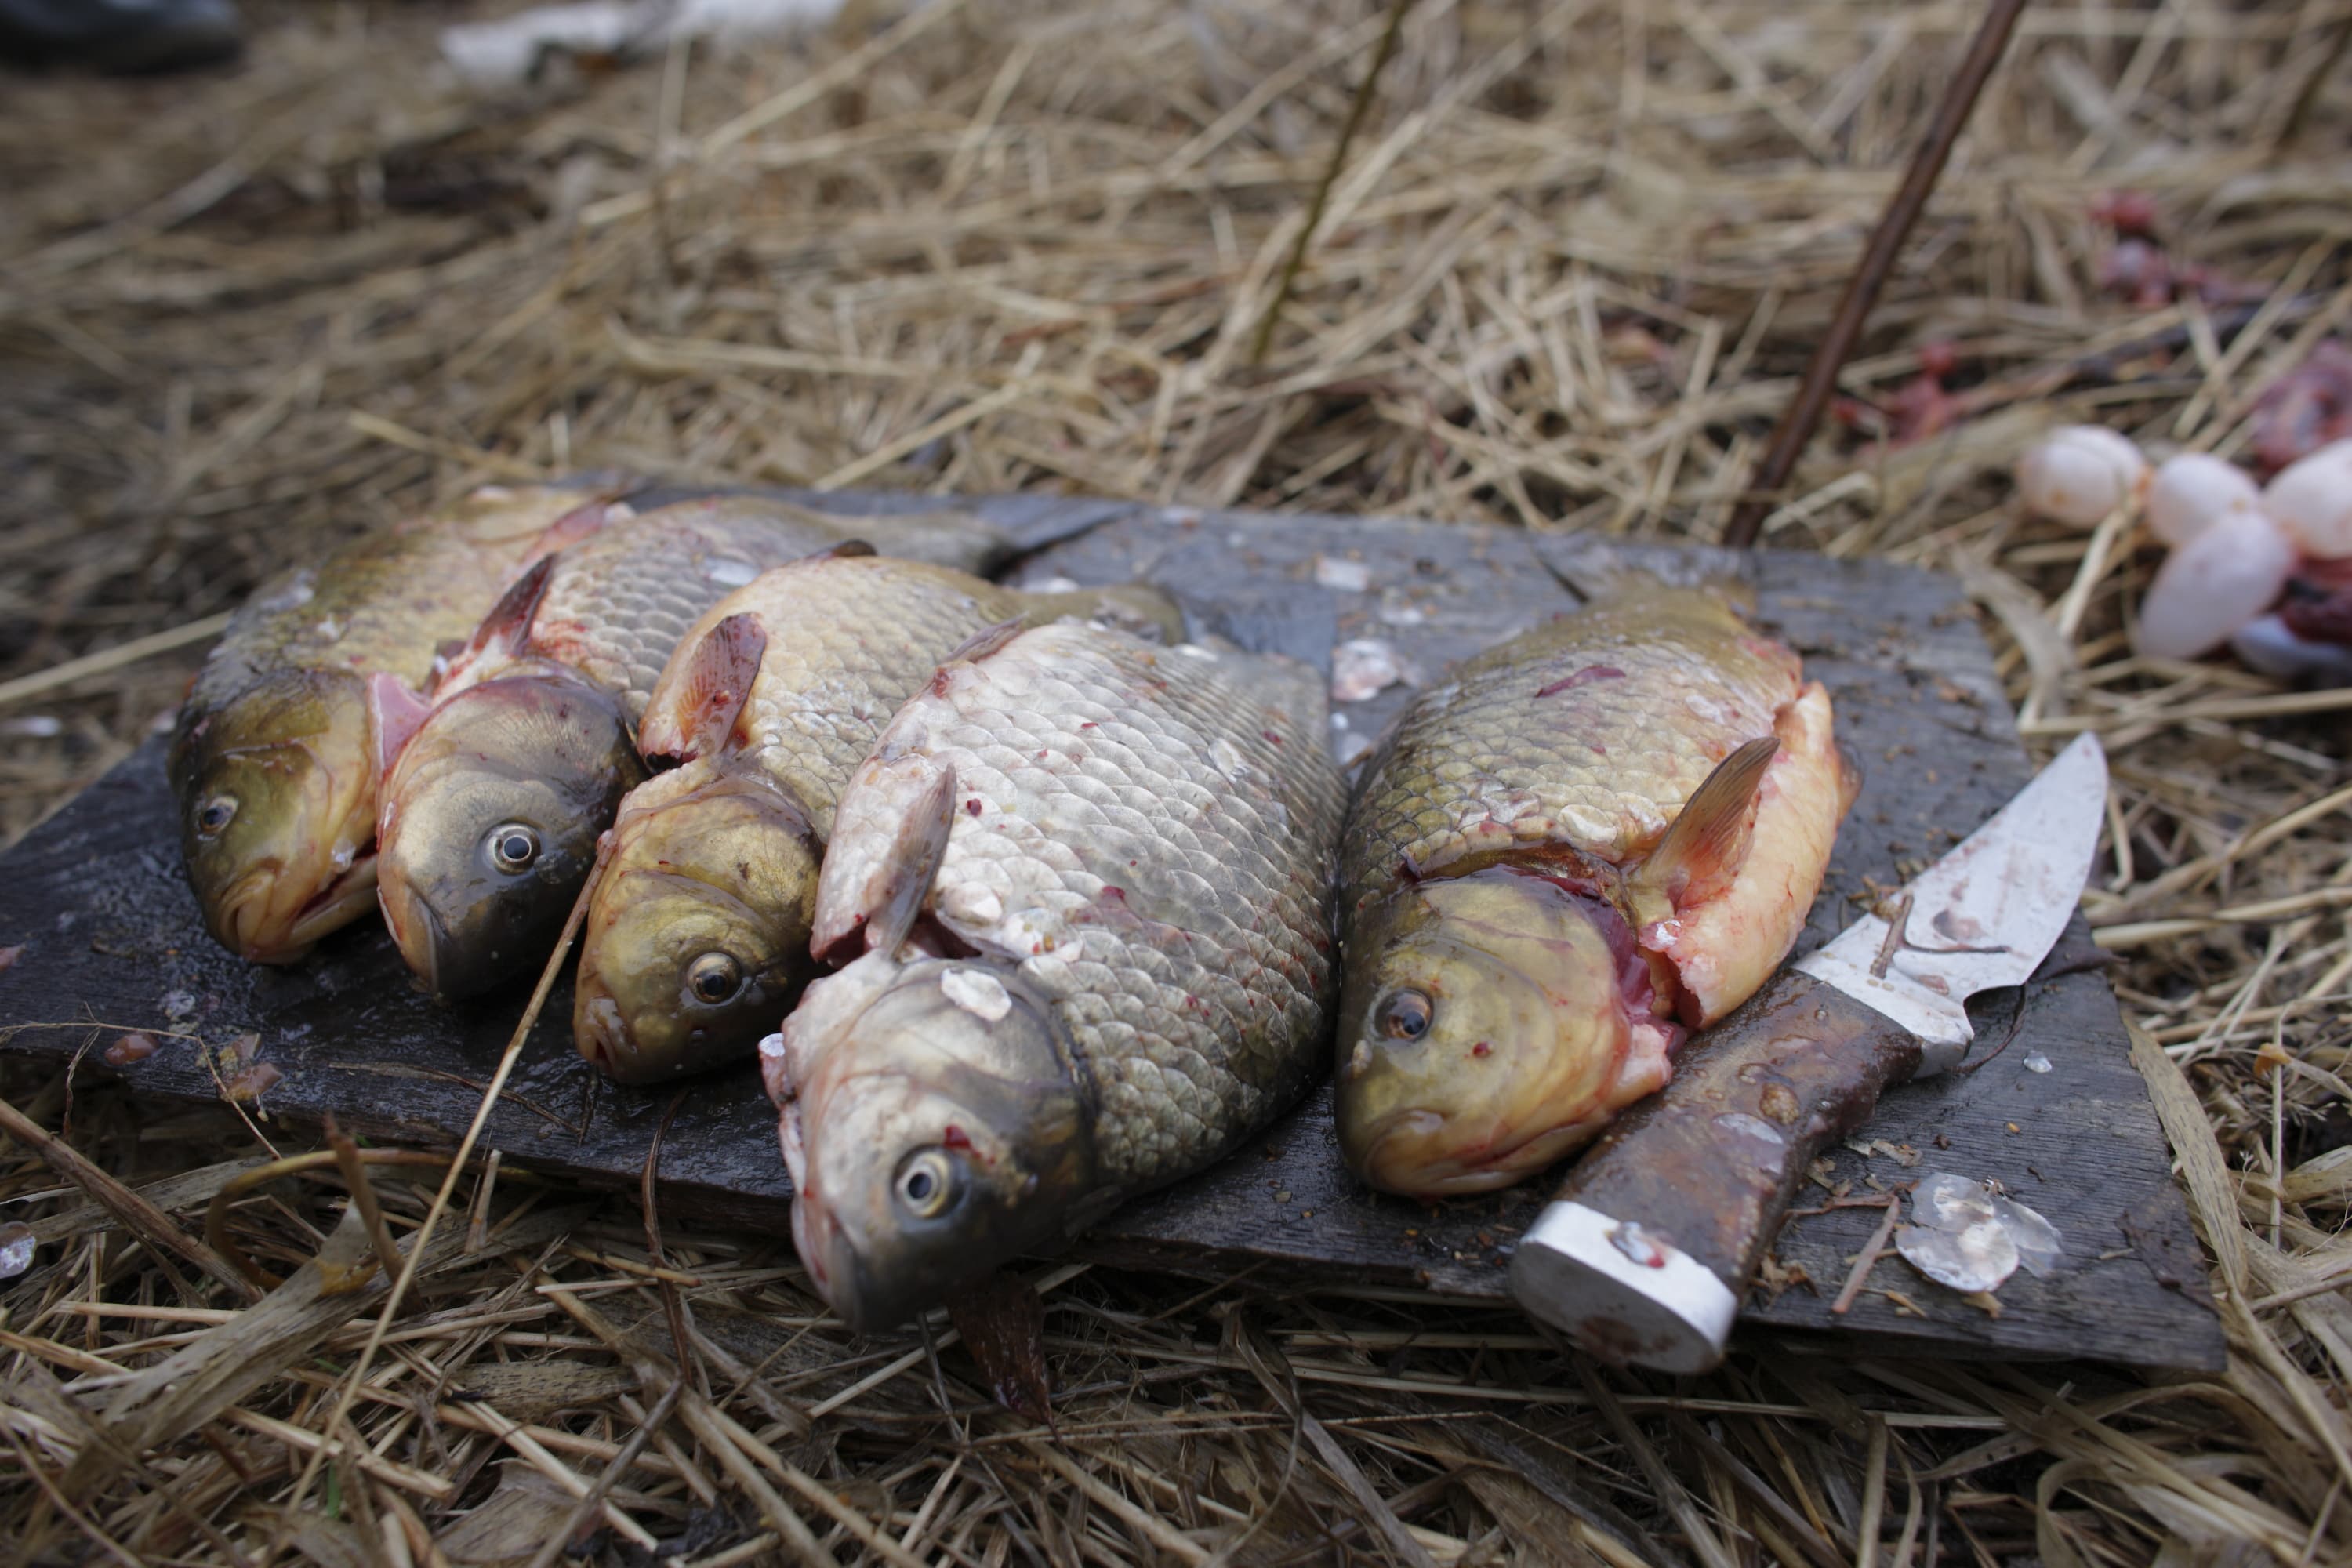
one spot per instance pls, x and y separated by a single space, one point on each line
395 713
1702 850
506 630
914 861
986 641
707 698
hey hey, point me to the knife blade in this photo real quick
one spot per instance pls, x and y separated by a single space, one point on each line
1645 1252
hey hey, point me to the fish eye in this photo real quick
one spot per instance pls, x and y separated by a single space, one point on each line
715 977
214 815
1404 1014
927 1182
513 846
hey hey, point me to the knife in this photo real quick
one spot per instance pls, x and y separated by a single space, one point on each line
1643 1256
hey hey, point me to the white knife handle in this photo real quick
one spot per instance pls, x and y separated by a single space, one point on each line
1643 1256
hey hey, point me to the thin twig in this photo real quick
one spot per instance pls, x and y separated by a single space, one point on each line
478 1224
217 1234
1869 1257
349 1160
1886 241
144 1219
424 1232
1356 112
618 1466
107 661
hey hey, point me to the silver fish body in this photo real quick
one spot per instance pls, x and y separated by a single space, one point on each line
1093 883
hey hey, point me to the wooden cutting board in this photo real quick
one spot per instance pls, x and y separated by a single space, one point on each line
2054 1109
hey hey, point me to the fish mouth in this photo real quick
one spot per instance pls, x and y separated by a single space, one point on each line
1399 1156
602 1034
350 896
259 934
418 933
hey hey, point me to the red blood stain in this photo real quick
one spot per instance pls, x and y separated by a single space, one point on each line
971 807
1271 738
1483 1049
1585 677
955 1138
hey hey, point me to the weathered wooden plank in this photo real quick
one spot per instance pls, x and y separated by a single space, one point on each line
112 940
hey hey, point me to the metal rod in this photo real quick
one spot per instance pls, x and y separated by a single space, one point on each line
1804 411
1356 112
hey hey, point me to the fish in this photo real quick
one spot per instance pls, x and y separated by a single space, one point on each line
495 791
272 756
1591 839
1081 893
696 935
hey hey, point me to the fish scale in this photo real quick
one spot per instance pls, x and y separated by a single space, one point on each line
825 690
616 605
697 936
1484 763
492 807
1176 911
384 602
1596 836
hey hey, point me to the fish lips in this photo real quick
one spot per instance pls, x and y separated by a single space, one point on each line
287 760
1395 1155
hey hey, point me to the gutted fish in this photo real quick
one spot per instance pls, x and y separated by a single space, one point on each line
697 936
273 760
1084 886
490 812
1594 836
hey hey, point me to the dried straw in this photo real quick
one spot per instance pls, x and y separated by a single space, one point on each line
1565 278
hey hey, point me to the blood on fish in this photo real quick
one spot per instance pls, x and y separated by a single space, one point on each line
971 807
1272 739
954 1137
1585 677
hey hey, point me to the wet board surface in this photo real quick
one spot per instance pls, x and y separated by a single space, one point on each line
112 940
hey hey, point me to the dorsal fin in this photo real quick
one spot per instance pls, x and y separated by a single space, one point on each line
986 641
1702 851
580 523
506 630
395 713
712 685
916 853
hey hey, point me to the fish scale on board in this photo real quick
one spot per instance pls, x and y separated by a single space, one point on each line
492 805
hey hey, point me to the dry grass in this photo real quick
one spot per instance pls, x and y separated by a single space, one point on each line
1575 262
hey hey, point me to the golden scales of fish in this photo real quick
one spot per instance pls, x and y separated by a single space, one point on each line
111 930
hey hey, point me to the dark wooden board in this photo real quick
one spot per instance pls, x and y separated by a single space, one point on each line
112 940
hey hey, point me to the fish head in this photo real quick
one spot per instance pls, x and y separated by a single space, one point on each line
698 931
1488 1023
490 824
935 1128
277 796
